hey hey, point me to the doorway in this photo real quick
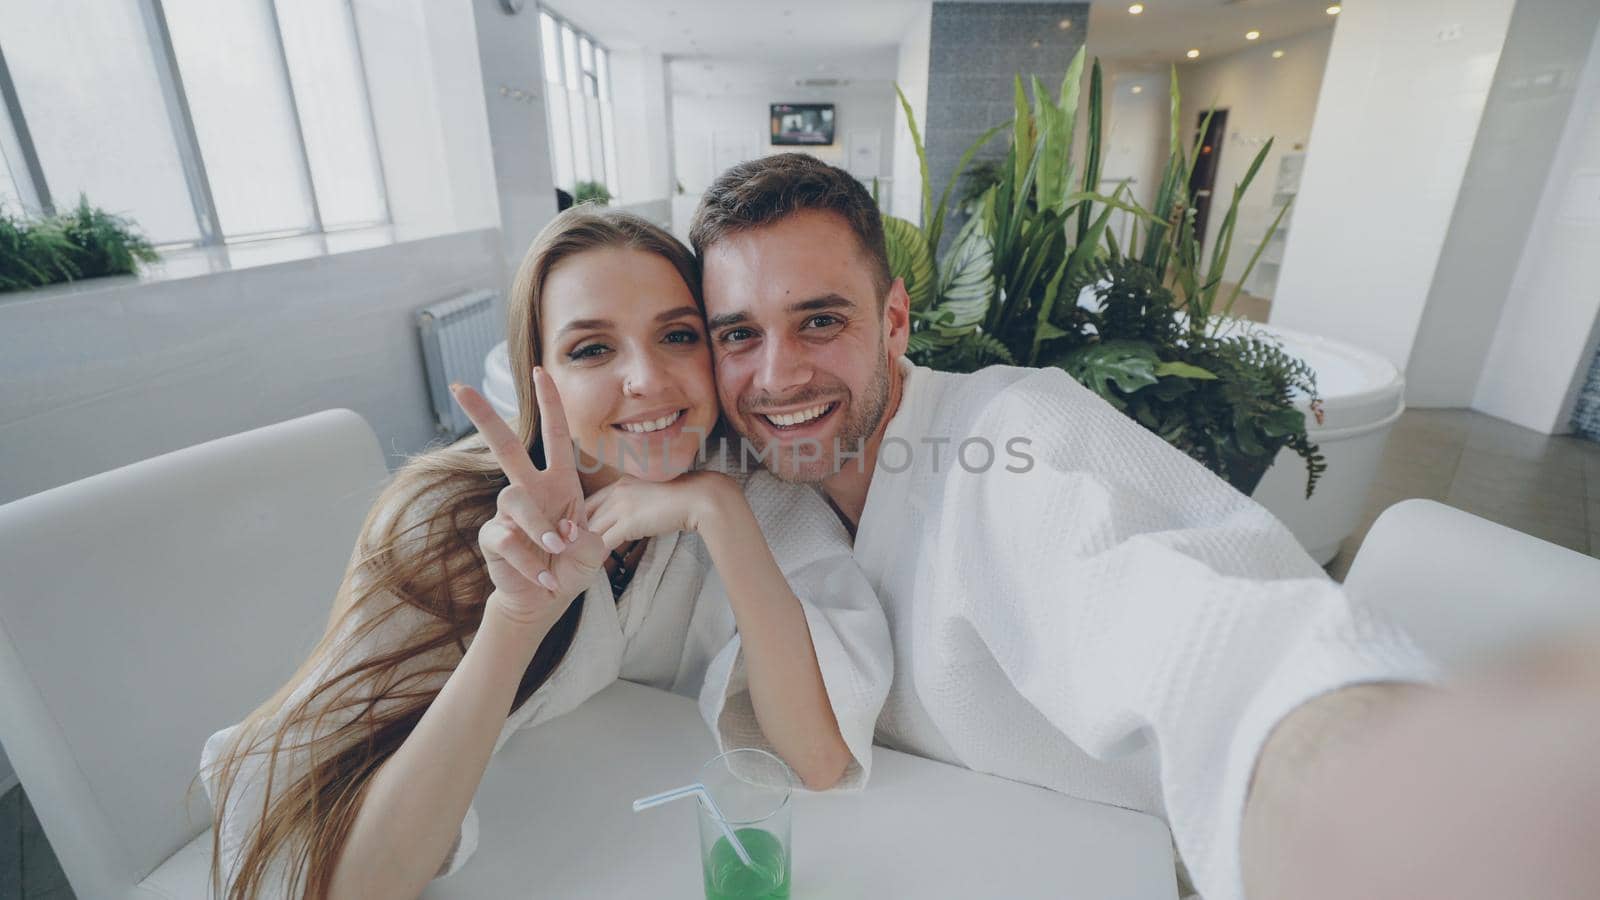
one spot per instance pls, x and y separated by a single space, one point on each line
1207 159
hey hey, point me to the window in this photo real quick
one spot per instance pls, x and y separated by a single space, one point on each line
578 105
227 121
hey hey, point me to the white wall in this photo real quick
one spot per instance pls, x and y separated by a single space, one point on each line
1547 332
1396 119
644 142
1265 98
1527 110
1134 143
905 195
512 86
421 61
107 372
698 120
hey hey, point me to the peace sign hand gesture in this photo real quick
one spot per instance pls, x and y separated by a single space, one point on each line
539 550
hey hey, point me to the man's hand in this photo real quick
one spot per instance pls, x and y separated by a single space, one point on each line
1389 792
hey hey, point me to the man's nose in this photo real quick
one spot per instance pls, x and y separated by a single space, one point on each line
783 366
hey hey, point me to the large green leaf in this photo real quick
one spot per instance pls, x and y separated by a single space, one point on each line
966 279
1127 365
910 259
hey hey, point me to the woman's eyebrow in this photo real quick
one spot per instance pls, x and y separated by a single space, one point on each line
586 325
678 313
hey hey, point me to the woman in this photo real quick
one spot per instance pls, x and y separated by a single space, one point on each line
460 617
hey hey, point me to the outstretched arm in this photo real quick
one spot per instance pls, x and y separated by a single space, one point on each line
1389 792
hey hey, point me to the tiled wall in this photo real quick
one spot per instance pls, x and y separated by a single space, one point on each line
1586 415
975 51
1529 105
1546 336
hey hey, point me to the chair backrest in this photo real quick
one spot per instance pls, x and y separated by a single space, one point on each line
1469 589
143 608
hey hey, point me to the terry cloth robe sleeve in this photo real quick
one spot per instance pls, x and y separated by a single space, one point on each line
378 626
849 633
1136 600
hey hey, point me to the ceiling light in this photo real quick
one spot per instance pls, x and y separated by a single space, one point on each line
1193 54
1138 89
1252 35
1335 9
1277 54
1037 44
1064 24
1136 9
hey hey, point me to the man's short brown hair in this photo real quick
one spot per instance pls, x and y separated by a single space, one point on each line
768 190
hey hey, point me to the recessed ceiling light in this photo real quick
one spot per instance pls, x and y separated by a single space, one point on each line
1251 35
1193 54
1036 44
1335 9
1277 54
1138 89
1136 9
1064 24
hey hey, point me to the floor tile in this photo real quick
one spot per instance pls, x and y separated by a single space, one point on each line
1542 527
1496 436
11 845
1520 501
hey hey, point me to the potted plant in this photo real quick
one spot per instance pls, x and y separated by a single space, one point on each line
84 242
1036 277
591 192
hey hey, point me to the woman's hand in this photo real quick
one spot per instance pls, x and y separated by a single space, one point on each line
629 508
539 550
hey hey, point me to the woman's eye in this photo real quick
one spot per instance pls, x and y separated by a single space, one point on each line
588 351
683 336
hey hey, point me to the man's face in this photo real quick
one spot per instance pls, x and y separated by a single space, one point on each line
802 352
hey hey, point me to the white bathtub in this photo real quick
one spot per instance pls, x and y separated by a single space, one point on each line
1362 397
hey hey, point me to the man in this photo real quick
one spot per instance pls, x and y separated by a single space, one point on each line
1073 603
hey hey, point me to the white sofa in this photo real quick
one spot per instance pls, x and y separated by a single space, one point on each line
145 607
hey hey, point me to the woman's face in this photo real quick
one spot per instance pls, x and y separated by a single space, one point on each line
625 343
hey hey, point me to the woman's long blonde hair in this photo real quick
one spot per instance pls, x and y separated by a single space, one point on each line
426 558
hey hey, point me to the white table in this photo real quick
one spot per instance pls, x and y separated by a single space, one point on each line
556 821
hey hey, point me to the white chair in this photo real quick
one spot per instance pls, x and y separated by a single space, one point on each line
1470 590
146 607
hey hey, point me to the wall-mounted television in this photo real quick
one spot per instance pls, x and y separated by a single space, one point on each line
810 124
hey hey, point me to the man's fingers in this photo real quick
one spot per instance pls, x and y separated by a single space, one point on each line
553 423
503 442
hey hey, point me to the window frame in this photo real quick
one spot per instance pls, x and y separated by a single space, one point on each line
582 86
33 187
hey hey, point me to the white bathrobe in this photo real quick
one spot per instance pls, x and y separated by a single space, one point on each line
672 628
1115 623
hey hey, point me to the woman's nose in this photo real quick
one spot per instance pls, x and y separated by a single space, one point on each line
642 376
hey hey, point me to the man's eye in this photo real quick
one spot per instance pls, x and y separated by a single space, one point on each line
822 321
588 351
737 335
683 336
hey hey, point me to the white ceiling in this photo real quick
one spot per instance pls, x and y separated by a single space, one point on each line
730 42
1168 29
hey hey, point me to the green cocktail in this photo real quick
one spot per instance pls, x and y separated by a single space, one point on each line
727 878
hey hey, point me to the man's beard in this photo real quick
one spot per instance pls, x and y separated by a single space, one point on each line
864 419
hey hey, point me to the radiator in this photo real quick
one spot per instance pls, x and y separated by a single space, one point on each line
457 334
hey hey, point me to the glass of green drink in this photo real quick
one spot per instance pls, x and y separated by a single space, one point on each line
751 788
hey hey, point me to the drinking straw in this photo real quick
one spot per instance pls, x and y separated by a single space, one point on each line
697 790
